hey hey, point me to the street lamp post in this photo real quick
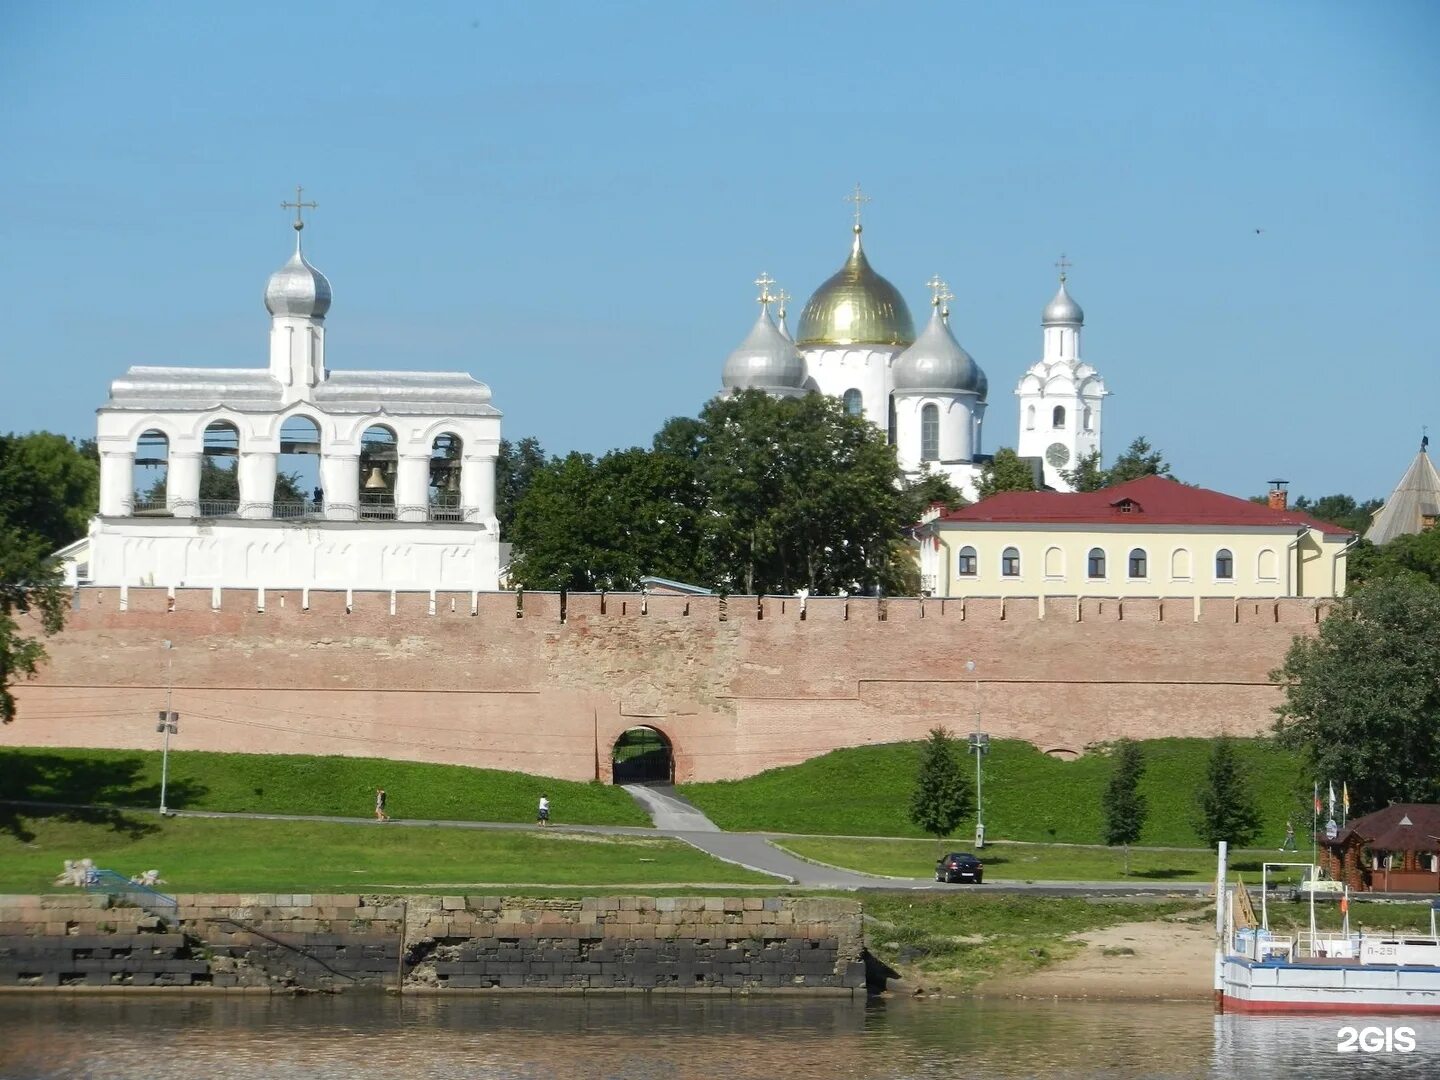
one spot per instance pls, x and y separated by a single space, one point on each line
169 724
979 746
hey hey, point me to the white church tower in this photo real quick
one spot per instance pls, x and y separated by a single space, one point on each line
1061 395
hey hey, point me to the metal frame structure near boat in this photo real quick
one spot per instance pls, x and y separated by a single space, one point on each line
1259 971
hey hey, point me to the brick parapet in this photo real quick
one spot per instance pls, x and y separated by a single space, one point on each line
738 684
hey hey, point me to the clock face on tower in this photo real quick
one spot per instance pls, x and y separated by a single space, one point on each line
1058 455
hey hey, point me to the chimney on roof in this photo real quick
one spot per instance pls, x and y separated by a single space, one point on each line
1279 498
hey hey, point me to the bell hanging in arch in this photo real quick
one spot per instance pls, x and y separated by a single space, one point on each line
376 480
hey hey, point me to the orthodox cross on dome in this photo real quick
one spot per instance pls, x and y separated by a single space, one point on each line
945 297
765 281
859 198
298 205
938 289
1063 266
782 298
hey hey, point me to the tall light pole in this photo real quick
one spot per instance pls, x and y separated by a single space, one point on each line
979 746
168 725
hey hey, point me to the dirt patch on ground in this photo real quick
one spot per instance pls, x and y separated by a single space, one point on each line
1152 960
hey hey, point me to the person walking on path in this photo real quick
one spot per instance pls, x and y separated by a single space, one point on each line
380 814
542 816
1289 843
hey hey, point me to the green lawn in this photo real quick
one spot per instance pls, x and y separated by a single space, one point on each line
865 791
1028 862
207 855
295 784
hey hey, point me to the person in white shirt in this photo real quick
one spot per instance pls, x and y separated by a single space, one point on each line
543 817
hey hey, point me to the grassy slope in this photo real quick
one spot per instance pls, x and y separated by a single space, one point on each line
294 784
865 791
200 855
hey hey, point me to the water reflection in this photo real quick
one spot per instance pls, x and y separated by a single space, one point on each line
632 1037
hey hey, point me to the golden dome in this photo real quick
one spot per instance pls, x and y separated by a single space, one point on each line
856 306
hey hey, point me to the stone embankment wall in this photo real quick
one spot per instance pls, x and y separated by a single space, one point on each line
545 683
437 944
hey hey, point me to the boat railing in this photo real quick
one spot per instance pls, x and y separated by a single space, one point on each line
1327 944
1256 943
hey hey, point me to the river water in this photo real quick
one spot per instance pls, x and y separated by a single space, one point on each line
635 1038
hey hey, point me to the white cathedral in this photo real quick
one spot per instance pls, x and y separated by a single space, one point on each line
856 342
406 469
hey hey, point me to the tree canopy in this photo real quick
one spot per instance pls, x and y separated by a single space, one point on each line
1123 806
515 469
48 491
943 796
757 494
1006 471
1138 459
1362 696
1225 804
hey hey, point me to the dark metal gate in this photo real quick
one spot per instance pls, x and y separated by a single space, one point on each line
642 756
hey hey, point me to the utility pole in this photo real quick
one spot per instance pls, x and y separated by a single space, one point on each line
979 746
168 725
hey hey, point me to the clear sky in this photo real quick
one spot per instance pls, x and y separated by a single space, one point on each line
570 201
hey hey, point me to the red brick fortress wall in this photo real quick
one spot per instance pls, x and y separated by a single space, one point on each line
546 684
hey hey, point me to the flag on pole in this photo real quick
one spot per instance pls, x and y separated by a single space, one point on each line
1332 798
1345 798
1317 797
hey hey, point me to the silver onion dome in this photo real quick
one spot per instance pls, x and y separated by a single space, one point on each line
297 288
937 362
1062 310
765 360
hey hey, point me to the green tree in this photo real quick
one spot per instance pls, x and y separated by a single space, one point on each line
48 493
799 494
1225 803
515 470
587 524
1414 556
1006 471
942 798
1139 459
1362 696
1342 510
1123 806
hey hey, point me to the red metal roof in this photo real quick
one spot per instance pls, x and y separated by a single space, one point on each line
1150 500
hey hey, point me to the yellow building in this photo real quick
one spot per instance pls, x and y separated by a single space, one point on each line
1148 537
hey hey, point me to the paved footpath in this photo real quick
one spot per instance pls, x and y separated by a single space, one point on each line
678 819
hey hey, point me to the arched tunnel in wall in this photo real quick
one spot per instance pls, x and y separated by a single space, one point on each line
642 755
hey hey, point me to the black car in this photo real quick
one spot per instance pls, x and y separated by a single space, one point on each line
960 866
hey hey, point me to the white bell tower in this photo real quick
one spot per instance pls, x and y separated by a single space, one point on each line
1061 395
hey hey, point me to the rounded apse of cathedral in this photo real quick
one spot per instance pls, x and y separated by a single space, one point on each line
297 288
856 306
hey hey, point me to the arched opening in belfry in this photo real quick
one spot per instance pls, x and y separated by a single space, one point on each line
445 454
152 465
379 461
297 474
219 475
642 755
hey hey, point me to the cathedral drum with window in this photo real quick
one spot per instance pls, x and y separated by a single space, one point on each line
200 467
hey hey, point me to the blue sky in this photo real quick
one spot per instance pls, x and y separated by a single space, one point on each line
570 201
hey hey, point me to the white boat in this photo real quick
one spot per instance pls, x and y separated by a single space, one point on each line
1261 972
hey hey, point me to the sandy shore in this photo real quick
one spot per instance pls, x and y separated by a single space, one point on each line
1170 960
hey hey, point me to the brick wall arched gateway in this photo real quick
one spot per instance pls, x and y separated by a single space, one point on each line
738 686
